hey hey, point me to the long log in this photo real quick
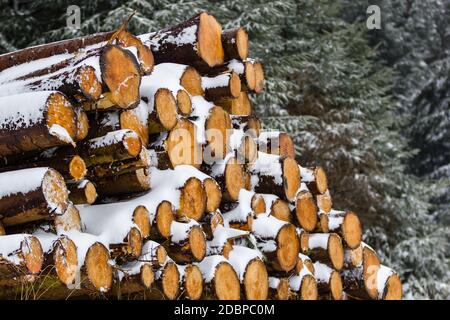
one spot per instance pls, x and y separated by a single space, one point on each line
35 121
196 41
124 184
251 271
32 194
221 281
278 241
235 43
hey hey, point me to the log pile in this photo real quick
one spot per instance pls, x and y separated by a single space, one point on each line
134 167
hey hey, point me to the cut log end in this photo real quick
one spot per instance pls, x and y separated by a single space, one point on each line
248 149
82 124
258 204
90 192
192 199
121 74
61 113
171 281
235 179
218 127
256 280
235 85
280 210
192 82
99 271
287 247
242 43
166 108
321 180
336 251
286 145
291 178
132 144
352 230
182 144
77 168
69 220
308 290
259 77
147 276
34 256
283 291
209 37
130 120
304 241
141 218
226 282
371 265
213 194
336 287
197 243
250 78
161 255
193 282
324 202
135 242
66 260
306 211
90 86
184 103
55 190
393 288
164 218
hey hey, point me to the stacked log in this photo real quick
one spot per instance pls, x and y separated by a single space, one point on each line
133 166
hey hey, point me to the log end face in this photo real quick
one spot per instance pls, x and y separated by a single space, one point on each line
259 77
55 191
34 255
256 281
192 82
164 218
197 243
235 85
249 71
90 85
147 276
258 204
242 43
213 194
321 180
308 290
393 288
193 282
286 145
99 271
135 241
60 114
166 108
283 290
291 178
77 168
184 133
121 74
306 211
235 178
336 251
192 199
352 230
209 37
171 281
184 103
161 255
132 143
280 210
218 127
226 282
90 192
288 247
141 218
66 261
336 286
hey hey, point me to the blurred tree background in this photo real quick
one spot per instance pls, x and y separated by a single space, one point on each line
370 106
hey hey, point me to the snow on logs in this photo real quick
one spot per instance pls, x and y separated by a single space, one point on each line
31 194
221 280
196 42
326 248
187 242
345 223
278 242
276 175
329 282
83 192
35 121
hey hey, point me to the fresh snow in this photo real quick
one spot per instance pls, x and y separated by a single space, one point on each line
239 258
21 181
